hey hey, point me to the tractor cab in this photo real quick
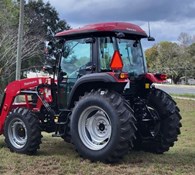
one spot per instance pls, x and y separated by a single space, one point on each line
99 48
92 48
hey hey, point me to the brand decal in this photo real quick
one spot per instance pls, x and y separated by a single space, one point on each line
29 83
130 29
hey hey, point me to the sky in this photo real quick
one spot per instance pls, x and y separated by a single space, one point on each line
168 18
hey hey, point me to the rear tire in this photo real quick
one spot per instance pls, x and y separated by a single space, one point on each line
169 123
101 126
22 131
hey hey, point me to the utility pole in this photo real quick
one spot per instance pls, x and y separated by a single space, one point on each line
20 38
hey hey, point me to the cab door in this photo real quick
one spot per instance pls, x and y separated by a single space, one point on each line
75 62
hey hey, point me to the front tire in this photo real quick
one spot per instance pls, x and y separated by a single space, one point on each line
101 126
22 131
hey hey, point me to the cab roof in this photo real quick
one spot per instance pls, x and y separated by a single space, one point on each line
100 29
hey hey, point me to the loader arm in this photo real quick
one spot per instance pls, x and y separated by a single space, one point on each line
14 89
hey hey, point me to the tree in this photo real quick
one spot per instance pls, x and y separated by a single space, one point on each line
152 57
41 22
185 39
8 40
43 16
170 58
190 54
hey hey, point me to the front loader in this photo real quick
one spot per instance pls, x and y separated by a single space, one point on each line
101 97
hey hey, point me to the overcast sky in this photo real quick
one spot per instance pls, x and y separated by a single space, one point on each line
168 18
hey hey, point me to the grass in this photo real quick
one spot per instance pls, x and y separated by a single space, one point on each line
57 157
183 95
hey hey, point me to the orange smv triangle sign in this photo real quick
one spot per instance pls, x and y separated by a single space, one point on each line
116 62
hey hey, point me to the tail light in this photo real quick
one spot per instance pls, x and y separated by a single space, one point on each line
119 75
123 75
161 76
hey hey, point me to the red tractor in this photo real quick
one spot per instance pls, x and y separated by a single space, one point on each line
101 97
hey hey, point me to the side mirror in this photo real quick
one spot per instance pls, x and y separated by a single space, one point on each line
49 48
51 53
151 38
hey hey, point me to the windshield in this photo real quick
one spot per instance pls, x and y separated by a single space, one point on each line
131 53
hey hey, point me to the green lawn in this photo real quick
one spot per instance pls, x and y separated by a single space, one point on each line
184 95
58 157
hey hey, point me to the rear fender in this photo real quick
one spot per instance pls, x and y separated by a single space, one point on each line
95 81
153 78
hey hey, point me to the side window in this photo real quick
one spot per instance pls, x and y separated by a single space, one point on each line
76 57
106 52
125 48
